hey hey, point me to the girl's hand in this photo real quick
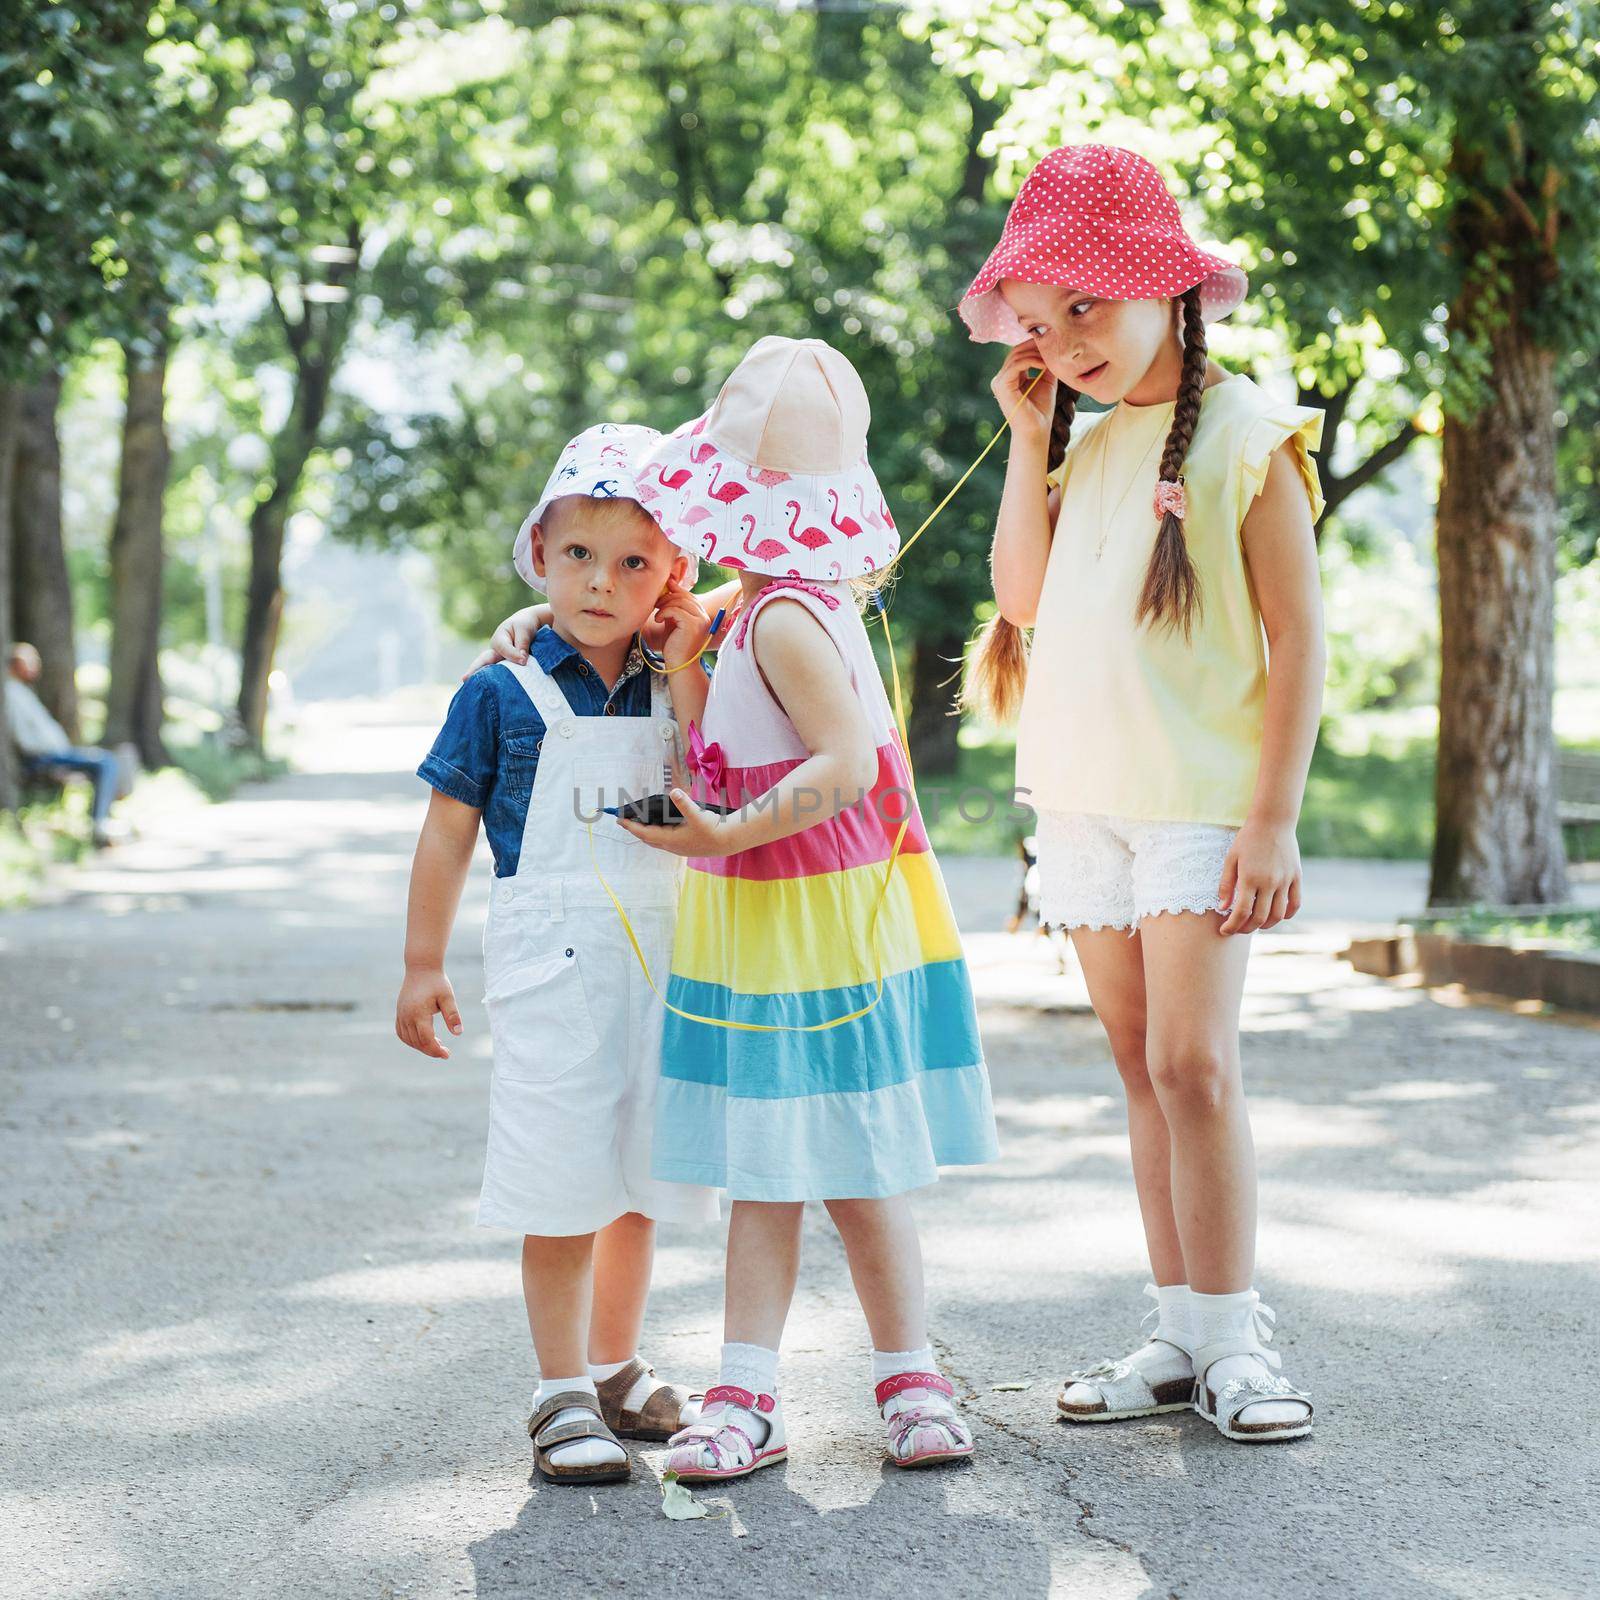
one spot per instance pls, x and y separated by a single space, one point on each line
511 639
1261 878
701 833
685 623
1031 418
425 992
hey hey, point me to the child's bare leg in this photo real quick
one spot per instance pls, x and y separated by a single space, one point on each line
763 1265
1113 968
1194 982
556 1276
557 1287
624 1253
885 1255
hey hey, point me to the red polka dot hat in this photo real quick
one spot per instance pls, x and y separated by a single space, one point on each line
1100 219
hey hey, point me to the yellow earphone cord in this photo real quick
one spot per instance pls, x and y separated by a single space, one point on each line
894 853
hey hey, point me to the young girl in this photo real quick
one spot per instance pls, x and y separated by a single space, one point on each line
1166 762
792 919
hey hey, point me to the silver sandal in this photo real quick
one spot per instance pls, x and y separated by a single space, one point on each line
1221 1406
1124 1390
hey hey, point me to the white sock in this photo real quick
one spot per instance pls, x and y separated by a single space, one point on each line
1229 1316
891 1363
750 1366
1164 1359
644 1385
581 1452
744 1366
1176 1322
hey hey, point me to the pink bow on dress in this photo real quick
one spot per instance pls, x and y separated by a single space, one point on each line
706 761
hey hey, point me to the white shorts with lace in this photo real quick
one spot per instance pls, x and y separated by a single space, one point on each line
1109 872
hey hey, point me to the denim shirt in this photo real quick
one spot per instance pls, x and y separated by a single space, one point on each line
487 752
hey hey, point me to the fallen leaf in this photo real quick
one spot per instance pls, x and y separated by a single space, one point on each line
678 1503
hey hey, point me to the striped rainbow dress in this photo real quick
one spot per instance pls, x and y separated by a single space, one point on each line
778 934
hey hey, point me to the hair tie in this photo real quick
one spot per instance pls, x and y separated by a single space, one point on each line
1170 497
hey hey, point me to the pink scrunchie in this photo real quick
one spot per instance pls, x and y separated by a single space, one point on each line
1170 497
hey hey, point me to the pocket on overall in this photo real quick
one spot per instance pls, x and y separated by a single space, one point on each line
539 1018
613 783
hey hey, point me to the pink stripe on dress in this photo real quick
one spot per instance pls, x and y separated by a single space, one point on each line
862 835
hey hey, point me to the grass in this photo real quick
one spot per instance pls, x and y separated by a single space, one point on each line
55 826
217 770
1551 930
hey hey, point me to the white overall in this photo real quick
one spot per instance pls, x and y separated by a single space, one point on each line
576 1029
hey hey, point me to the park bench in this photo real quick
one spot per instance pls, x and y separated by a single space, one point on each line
1578 790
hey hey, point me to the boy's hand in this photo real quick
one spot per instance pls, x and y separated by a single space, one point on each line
1261 878
701 833
424 993
683 625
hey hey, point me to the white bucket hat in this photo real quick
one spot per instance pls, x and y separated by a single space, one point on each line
601 463
774 477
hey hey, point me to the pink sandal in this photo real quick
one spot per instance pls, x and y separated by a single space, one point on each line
736 1456
926 1430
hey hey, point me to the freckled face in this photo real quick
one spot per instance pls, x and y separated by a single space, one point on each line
604 564
1100 347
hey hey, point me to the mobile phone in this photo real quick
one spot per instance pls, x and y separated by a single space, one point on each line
659 811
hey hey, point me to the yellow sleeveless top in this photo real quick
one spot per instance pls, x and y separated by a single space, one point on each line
1136 721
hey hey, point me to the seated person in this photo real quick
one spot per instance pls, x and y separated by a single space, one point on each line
44 743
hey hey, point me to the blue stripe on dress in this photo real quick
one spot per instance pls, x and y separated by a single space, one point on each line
925 1022
825 1146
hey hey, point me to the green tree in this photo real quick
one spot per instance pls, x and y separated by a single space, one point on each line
656 198
1423 178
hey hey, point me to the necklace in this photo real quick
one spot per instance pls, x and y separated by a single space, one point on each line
1134 477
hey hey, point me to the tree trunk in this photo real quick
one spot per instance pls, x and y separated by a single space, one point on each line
931 723
41 598
133 701
264 599
10 416
1497 838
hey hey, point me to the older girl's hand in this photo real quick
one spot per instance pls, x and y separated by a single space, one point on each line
701 833
1030 418
1261 878
512 639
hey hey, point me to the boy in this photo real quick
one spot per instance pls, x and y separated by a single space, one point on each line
534 750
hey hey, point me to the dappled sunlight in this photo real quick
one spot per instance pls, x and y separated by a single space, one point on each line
1410 1092
414 1283
1283 1126
255 1211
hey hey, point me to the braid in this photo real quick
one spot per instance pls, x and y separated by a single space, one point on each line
998 668
1171 585
1061 424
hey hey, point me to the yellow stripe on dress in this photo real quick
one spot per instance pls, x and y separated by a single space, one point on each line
810 933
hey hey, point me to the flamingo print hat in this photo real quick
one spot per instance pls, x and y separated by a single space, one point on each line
774 477
600 463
